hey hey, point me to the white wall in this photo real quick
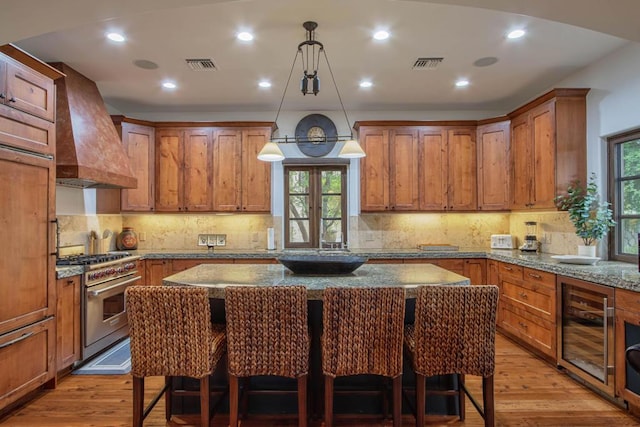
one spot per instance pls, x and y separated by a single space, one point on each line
613 103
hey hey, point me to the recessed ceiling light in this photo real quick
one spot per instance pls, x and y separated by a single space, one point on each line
169 85
516 34
366 83
264 84
381 35
245 36
462 83
116 37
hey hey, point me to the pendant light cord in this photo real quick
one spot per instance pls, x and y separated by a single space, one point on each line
338 92
295 58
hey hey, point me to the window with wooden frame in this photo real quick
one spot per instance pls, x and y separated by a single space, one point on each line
315 206
624 193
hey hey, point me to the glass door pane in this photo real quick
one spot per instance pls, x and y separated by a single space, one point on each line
299 215
331 226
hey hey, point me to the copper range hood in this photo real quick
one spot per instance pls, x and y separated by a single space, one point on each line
89 152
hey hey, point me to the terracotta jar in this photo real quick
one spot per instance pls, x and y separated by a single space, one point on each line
127 239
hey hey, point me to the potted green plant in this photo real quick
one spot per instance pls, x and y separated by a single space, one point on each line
591 217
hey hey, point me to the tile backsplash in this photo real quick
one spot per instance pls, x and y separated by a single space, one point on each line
367 231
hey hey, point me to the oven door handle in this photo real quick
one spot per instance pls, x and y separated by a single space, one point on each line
101 291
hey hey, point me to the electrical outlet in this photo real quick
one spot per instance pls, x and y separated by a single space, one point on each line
546 238
221 239
369 236
142 236
203 239
254 237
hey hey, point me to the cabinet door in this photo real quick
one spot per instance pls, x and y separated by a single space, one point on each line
169 176
198 158
227 166
403 169
493 166
68 321
374 170
29 91
256 174
27 282
432 180
139 143
475 270
521 155
544 155
461 147
156 270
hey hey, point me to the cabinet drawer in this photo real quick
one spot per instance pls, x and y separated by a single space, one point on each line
32 350
627 300
30 91
531 329
538 277
21 130
510 270
531 296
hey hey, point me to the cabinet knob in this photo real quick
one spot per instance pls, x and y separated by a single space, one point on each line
2 96
12 99
535 276
70 282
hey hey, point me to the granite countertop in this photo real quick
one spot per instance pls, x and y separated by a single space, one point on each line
218 276
610 273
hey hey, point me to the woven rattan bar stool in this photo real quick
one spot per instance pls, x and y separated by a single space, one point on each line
454 333
172 335
362 334
268 334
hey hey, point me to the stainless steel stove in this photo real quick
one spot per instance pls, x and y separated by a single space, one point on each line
103 308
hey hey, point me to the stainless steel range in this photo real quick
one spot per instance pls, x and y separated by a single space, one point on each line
103 310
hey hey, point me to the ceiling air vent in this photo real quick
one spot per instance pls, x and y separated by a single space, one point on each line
426 63
200 64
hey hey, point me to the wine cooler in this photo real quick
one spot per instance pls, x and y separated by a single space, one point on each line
586 332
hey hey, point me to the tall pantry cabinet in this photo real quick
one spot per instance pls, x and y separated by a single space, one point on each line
27 214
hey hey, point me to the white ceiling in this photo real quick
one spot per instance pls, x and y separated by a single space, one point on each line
169 31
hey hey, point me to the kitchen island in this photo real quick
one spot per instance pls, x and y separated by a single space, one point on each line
217 277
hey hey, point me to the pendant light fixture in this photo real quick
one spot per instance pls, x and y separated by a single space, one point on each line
310 52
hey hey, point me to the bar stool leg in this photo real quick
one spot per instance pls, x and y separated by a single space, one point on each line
397 401
138 401
420 395
302 401
328 401
205 414
461 397
489 403
168 401
233 401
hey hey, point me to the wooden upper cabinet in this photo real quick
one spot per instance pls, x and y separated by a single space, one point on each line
139 144
461 149
26 90
374 170
493 166
403 169
256 174
447 168
227 164
242 183
197 169
183 169
433 163
548 147
169 162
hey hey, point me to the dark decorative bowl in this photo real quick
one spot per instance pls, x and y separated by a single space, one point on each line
322 264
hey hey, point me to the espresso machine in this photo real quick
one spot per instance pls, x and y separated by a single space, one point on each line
531 243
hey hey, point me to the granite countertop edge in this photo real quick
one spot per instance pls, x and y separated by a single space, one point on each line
609 273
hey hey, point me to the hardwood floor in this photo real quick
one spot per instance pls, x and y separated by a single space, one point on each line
528 392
